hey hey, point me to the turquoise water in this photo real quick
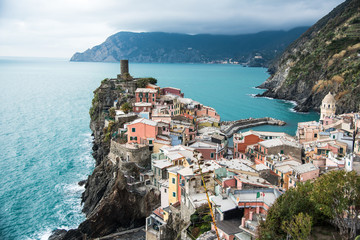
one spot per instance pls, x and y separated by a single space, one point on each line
45 140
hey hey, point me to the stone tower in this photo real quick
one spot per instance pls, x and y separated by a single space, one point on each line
124 67
328 106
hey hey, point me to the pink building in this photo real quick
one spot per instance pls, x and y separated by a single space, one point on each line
173 91
210 151
207 111
308 131
142 131
306 172
145 95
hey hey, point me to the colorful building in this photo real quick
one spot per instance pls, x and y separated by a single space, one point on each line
142 131
172 91
146 95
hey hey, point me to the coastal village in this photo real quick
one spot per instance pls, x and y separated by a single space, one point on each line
182 151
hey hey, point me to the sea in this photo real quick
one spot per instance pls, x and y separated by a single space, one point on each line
45 139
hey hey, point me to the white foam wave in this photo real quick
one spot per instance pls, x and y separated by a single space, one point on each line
73 188
268 98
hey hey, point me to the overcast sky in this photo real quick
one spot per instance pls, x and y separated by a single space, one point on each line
59 28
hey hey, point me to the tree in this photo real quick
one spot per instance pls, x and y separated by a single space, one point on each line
112 112
286 207
337 195
126 107
299 227
143 82
152 80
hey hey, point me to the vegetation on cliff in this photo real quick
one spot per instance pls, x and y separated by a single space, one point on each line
325 58
250 49
333 199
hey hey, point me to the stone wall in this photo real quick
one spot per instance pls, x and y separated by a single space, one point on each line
123 153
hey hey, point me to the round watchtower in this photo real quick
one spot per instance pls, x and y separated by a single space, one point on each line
328 106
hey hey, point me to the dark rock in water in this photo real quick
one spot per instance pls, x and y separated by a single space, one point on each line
82 183
57 234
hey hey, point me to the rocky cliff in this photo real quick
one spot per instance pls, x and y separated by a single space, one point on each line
325 58
249 49
108 202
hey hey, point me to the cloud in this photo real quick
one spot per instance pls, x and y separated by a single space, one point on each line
62 27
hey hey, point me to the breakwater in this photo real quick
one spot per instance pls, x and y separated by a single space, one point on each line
231 127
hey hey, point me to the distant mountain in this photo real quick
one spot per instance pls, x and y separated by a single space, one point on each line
248 49
326 58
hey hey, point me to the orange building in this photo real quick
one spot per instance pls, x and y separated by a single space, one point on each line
142 131
242 140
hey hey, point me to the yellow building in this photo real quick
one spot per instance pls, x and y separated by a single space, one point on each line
173 184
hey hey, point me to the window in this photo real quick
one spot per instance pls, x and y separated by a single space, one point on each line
135 138
173 180
164 190
333 136
153 99
132 129
281 151
131 138
153 94
315 135
140 99
137 109
150 141
211 155
174 194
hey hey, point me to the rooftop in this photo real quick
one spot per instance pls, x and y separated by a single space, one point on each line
145 90
144 121
236 164
258 181
269 197
279 142
230 227
305 168
142 104
223 204
161 164
175 169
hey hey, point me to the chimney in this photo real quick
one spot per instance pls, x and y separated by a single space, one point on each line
251 216
243 222
124 66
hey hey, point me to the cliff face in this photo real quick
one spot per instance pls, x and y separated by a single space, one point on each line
109 204
325 58
183 48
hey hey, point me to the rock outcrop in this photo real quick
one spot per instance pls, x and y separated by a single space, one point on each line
109 203
326 58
